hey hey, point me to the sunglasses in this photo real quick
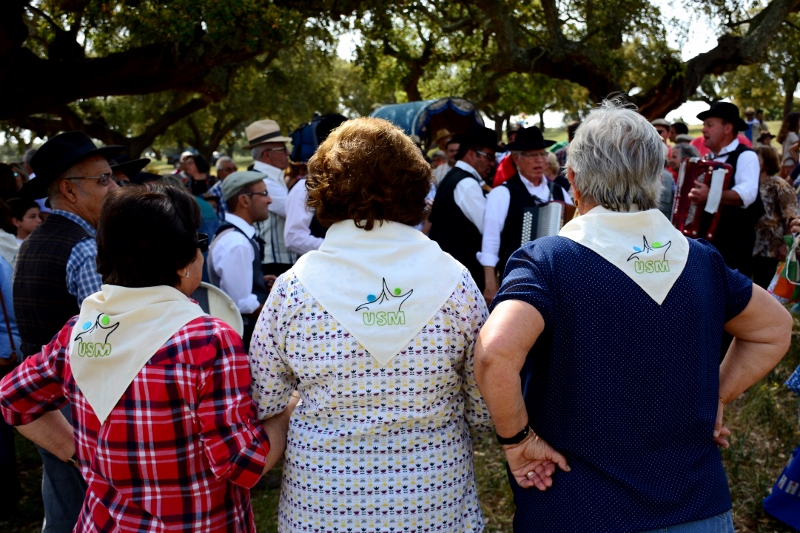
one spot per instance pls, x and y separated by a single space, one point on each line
202 242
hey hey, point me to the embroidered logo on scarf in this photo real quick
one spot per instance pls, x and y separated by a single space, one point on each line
387 315
96 349
648 258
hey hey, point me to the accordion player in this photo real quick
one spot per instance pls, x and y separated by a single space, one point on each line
695 220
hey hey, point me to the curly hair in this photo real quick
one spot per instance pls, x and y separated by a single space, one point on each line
368 171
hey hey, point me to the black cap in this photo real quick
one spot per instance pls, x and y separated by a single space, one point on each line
59 154
726 111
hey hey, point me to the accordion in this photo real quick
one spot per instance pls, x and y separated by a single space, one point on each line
691 219
545 219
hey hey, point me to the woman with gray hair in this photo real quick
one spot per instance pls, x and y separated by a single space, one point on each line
601 355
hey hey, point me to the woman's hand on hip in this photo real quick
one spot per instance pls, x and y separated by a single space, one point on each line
533 462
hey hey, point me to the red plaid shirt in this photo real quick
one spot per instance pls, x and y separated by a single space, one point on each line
181 447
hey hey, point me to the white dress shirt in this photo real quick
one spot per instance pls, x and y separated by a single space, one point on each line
469 197
297 233
494 220
271 230
230 264
747 172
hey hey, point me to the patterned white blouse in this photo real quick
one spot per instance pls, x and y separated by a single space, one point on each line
370 448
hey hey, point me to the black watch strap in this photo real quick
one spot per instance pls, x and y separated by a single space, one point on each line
516 439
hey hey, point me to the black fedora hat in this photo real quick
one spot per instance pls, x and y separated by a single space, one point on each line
128 166
57 155
481 136
529 139
140 178
727 112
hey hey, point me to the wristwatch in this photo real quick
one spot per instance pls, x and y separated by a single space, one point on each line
516 439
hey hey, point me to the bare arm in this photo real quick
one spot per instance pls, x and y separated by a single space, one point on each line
763 333
52 432
277 429
500 353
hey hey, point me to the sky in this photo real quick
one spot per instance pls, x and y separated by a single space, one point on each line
700 38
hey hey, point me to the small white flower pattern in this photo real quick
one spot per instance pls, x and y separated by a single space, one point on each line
370 448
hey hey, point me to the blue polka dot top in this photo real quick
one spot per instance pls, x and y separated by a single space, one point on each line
625 388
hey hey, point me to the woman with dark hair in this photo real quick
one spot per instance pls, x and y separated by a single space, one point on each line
163 426
787 136
376 331
780 207
196 167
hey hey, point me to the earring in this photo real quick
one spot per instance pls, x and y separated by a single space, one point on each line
186 275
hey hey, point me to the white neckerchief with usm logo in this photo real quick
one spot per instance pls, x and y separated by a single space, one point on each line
642 244
381 285
118 330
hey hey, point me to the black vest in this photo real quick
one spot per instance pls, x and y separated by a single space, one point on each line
736 234
520 198
259 287
452 230
42 303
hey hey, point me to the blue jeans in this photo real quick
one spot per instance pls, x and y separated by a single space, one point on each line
63 491
722 523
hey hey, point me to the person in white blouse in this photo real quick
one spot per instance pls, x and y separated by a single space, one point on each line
234 257
502 221
271 157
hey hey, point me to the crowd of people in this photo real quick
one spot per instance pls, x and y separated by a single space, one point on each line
393 308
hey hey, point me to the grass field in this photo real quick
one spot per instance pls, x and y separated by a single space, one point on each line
764 422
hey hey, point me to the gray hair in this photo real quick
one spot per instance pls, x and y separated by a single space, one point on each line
221 160
617 157
686 150
257 151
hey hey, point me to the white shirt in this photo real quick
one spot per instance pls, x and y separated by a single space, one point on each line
271 230
469 197
440 172
297 233
230 264
747 172
494 220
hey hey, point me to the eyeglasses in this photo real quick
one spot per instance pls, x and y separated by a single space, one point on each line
202 242
283 149
661 132
532 155
490 157
262 193
103 179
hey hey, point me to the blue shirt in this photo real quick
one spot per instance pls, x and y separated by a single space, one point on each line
82 277
626 389
6 283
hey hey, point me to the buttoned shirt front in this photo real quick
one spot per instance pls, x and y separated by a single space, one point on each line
497 203
82 277
747 172
272 229
230 260
297 233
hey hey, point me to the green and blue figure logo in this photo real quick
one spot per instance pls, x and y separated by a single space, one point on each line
96 349
650 258
379 310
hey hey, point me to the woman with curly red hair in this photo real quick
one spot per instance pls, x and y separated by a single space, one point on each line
376 331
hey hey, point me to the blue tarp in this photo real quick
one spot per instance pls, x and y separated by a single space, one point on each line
425 117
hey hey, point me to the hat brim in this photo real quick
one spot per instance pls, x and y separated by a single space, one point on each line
737 122
37 187
132 167
521 146
272 140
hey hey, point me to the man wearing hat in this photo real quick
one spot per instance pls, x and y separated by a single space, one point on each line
125 168
505 205
662 126
56 269
450 151
234 257
741 205
754 126
458 209
271 158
